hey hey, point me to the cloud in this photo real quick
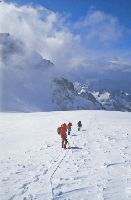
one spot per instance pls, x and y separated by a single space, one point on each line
40 29
83 51
119 64
86 44
100 27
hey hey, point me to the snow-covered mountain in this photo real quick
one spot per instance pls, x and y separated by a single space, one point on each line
31 83
106 100
67 97
114 100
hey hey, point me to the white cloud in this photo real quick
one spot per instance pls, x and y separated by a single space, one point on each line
40 30
119 64
64 43
101 27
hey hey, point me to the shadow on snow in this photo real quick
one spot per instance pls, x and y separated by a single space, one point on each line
77 148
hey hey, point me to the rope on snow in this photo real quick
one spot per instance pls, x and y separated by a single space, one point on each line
55 172
58 167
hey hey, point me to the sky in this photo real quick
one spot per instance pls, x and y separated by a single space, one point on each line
79 8
76 10
76 35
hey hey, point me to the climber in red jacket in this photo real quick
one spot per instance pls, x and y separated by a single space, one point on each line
63 135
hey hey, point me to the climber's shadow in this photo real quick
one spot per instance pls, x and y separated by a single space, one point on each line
74 135
75 148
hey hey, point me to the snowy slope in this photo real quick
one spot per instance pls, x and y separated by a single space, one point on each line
95 167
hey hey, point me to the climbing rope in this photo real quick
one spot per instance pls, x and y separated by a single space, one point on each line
52 191
51 177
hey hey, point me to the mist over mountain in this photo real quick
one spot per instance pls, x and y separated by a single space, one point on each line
111 79
26 77
43 54
32 83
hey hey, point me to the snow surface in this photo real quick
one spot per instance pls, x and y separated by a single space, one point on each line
96 166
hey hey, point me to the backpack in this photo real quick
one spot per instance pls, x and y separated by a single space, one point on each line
58 130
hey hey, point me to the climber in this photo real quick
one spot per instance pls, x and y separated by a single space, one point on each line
79 125
63 135
69 125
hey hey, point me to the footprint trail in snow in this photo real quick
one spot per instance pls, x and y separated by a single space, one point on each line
96 167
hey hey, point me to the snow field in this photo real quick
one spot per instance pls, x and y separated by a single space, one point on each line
96 166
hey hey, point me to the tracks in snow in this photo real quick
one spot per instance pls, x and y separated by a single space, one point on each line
97 166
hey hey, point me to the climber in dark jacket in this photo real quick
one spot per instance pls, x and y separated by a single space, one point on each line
79 125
